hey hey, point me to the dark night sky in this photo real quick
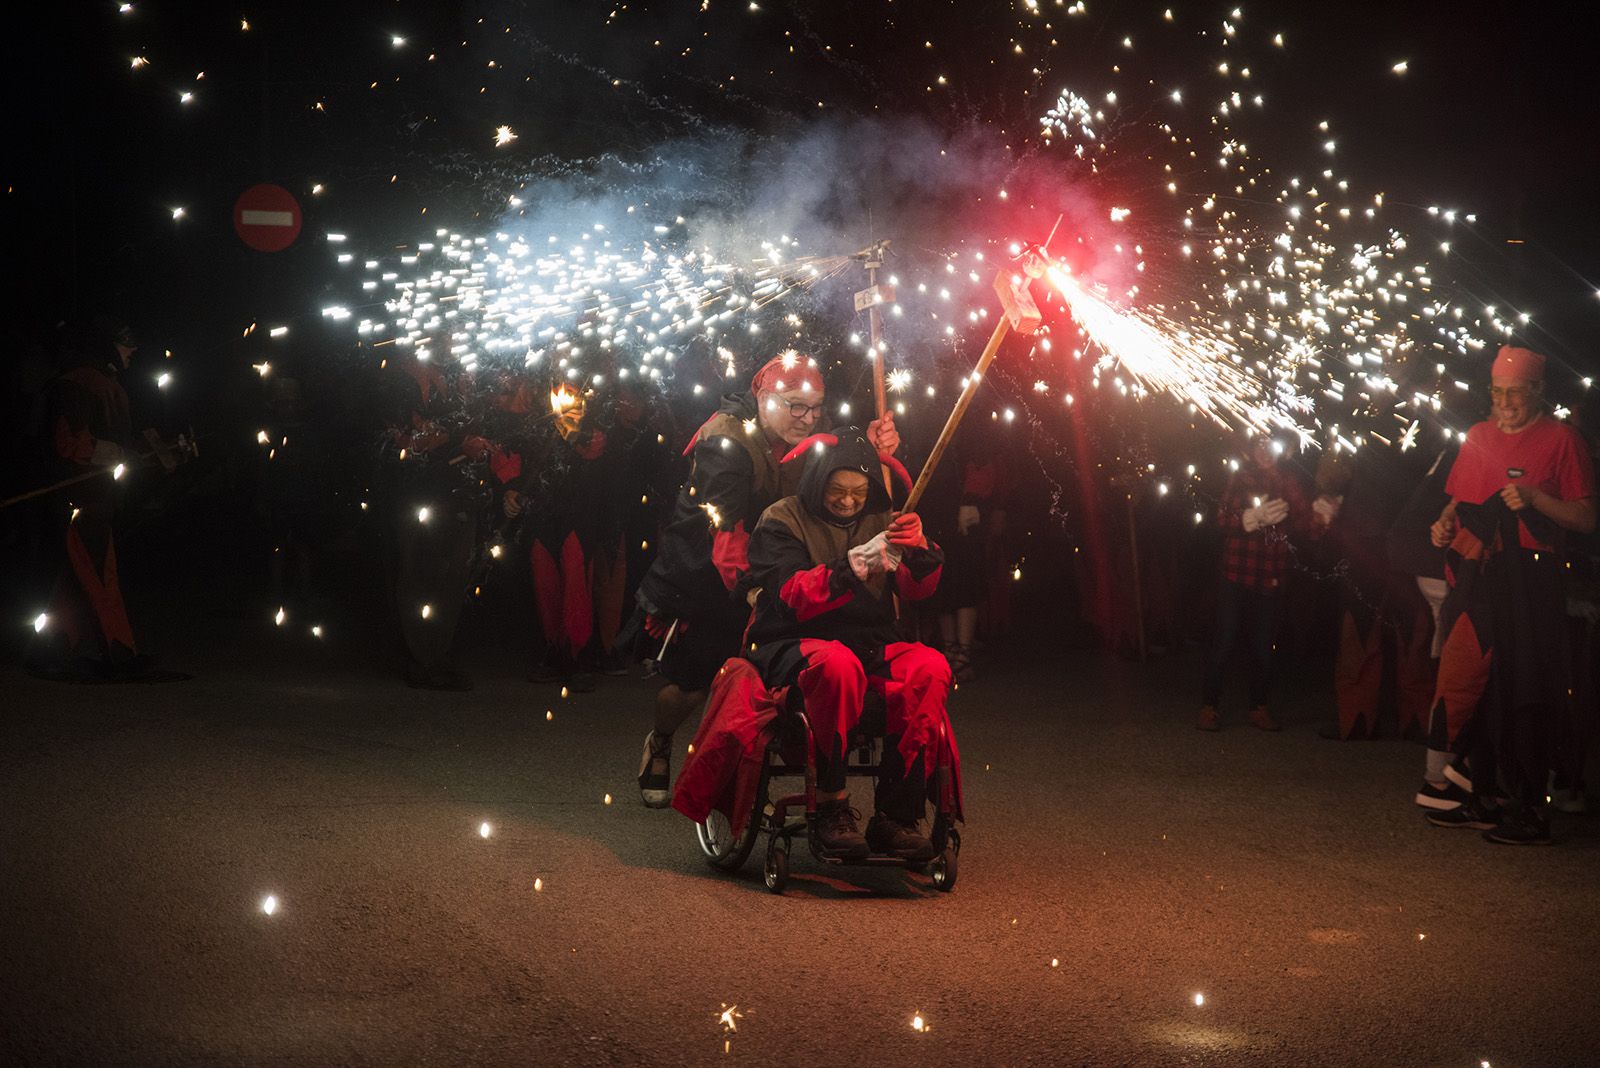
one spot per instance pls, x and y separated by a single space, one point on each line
1495 115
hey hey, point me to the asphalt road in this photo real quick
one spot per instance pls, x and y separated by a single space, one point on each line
1117 863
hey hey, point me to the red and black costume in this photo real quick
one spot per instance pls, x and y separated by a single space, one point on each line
433 464
830 635
90 428
577 543
698 574
1384 617
1503 667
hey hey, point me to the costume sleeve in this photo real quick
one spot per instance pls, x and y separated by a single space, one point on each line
720 486
780 564
919 573
1575 469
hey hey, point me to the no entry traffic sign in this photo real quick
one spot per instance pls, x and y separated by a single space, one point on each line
267 218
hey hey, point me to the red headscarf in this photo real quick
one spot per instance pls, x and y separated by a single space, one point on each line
792 370
1518 365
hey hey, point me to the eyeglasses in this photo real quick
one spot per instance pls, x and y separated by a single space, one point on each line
1511 393
799 410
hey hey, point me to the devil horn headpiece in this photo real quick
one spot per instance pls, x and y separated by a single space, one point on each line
898 468
829 440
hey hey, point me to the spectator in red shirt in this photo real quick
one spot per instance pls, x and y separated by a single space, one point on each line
1523 479
1264 504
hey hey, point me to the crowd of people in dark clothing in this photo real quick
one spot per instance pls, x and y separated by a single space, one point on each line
1464 577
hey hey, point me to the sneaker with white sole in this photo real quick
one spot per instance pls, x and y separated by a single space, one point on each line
655 771
1441 797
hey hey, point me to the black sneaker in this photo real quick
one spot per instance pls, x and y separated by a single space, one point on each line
1519 827
1441 798
655 771
1472 813
888 835
615 663
837 832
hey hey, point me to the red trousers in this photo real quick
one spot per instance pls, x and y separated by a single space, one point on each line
915 681
578 594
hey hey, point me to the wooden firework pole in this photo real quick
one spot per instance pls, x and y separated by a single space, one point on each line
1021 314
870 298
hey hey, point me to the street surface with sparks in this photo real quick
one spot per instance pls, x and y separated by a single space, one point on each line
290 865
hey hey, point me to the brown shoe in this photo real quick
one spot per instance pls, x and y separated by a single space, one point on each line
1262 720
837 831
1209 721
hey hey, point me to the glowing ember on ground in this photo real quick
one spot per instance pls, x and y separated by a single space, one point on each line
269 904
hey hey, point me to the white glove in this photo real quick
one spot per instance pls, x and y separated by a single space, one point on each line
872 557
1327 508
966 518
1268 513
106 453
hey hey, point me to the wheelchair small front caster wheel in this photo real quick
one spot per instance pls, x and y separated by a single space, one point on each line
943 869
776 870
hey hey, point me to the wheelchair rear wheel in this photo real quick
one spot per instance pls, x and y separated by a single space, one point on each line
943 867
723 851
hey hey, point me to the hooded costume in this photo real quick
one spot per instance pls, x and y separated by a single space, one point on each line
821 636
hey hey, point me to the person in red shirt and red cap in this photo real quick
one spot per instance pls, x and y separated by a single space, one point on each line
1522 480
693 596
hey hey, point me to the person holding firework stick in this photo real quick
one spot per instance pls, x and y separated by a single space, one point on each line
693 596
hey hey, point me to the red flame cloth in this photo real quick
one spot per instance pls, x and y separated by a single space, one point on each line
507 466
1512 364
723 771
811 592
561 590
730 552
801 373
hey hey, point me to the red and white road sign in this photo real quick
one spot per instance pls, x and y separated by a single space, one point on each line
267 218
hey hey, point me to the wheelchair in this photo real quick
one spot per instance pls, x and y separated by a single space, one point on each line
780 819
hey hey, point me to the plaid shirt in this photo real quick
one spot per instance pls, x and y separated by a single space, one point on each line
1259 560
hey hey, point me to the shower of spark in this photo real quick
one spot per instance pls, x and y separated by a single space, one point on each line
1199 368
502 301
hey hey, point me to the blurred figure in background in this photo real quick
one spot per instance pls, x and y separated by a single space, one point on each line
1262 507
433 500
86 634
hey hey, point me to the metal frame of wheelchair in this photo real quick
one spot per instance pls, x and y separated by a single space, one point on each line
771 816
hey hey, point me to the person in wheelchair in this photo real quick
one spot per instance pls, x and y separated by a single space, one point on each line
829 563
